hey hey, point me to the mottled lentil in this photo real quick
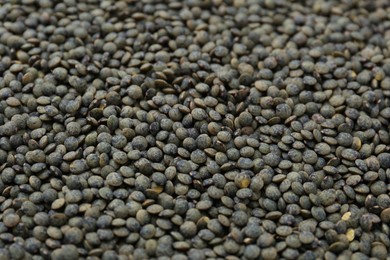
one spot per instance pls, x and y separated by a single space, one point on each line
195 129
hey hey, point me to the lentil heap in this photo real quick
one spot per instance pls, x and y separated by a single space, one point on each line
195 129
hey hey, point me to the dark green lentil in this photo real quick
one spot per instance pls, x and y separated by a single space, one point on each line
194 129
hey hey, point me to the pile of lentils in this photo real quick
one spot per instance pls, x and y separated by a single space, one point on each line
195 129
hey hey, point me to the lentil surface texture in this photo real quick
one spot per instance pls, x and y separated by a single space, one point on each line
237 129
